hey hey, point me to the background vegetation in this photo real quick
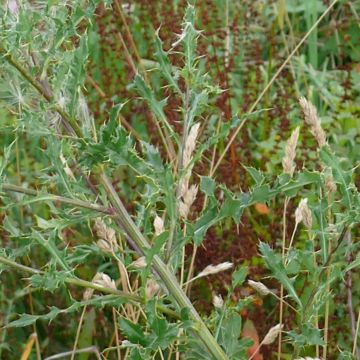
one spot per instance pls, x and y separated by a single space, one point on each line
188 113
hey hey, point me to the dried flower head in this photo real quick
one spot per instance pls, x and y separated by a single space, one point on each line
151 288
67 169
312 119
303 214
88 293
104 280
290 152
218 301
188 199
330 185
139 263
107 234
158 225
214 269
104 245
272 334
190 145
259 287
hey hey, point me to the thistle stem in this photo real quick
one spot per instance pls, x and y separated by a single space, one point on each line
134 234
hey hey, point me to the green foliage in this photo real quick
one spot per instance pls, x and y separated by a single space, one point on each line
100 172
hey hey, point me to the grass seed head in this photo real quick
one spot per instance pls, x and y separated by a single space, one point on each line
158 225
303 214
218 301
290 152
214 269
190 145
259 287
151 288
312 119
139 263
272 334
104 280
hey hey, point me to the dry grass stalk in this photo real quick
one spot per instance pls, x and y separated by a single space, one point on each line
312 119
259 287
303 214
290 152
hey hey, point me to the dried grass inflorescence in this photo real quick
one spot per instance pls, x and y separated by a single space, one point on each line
139 263
312 119
272 334
107 241
290 152
104 280
158 225
187 194
214 269
303 214
151 288
259 287
218 301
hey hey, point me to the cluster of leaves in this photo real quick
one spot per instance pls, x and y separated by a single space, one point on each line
44 53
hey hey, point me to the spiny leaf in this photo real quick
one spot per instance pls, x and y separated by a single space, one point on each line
274 263
165 65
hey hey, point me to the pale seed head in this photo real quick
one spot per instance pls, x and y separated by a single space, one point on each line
259 287
88 293
272 334
104 280
218 302
104 245
190 144
139 263
303 214
158 225
330 185
151 288
312 119
290 152
214 269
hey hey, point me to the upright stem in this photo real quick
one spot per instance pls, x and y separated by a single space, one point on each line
282 287
134 234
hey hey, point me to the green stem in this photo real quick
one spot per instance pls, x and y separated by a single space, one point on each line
133 232
88 284
166 276
38 86
62 199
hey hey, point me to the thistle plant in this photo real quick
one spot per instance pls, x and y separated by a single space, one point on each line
103 219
